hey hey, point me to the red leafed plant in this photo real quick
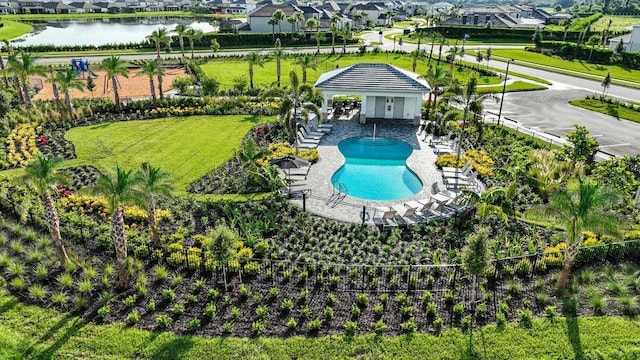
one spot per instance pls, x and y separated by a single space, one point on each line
42 139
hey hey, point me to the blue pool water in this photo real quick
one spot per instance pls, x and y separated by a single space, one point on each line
376 169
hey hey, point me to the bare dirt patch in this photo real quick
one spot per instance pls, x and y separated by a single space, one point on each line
134 87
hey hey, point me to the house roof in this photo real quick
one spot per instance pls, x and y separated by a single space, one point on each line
268 10
364 76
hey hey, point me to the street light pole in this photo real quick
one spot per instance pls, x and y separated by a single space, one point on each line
504 87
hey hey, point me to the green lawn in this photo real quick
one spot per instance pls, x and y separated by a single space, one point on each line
29 332
615 111
13 29
187 147
618 23
227 69
515 86
555 64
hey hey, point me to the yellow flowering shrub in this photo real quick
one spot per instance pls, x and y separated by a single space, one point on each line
480 160
91 205
135 213
277 150
553 256
21 145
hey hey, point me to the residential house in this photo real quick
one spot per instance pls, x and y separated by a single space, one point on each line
85 7
499 16
630 42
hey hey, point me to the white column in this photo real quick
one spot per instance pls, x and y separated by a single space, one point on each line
363 109
324 107
418 110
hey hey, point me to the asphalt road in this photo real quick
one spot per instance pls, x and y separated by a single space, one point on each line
546 111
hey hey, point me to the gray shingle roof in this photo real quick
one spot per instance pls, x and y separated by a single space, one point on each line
366 76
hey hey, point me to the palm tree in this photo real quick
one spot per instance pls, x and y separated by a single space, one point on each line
485 203
273 23
180 31
582 205
119 190
312 23
300 96
306 61
453 51
113 67
254 59
151 69
54 84
433 38
346 35
319 37
419 36
357 18
487 56
278 54
278 16
222 247
160 37
24 65
41 172
67 81
465 97
8 46
442 41
193 34
434 77
153 182
334 30
417 55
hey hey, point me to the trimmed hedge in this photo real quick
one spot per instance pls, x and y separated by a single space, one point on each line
568 50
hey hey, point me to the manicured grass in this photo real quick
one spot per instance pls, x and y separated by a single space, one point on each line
13 29
225 70
35 333
184 14
515 86
557 65
452 41
619 23
614 110
187 147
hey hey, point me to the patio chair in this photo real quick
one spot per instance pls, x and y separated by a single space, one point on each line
464 174
387 216
310 135
443 149
464 167
422 206
405 210
303 140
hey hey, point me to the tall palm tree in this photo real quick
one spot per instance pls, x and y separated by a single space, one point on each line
113 67
434 77
312 24
334 30
153 182
346 35
180 30
273 22
452 53
193 34
417 55
41 172
433 38
306 61
278 54
442 41
119 189
254 59
318 36
485 203
419 35
68 81
54 84
357 18
582 205
24 65
278 17
300 96
151 69
159 37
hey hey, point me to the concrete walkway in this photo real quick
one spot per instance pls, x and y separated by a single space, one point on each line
349 209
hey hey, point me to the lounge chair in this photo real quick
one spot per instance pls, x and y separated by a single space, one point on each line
422 206
460 174
303 139
466 166
325 128
387 216
310 135
443 149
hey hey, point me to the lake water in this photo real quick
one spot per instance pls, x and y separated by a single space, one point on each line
105 31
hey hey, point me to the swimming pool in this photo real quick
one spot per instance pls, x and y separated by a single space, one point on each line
376 169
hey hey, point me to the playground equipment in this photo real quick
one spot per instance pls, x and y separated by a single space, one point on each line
80 66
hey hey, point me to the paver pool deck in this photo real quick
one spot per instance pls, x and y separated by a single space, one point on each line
349 209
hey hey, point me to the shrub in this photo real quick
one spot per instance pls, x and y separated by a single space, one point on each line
80 302
37 292
448 297
526 318
331 299
305 312
458 310
262 312
210 310
409 326
378 309
426 297
355 311
482 311
160 272
177 309
129 301
18 283
350 328
292 324
287 305
501 320
328 313
163 321
235 313
362 300
314 326
438 323
168 294
194 324
104 311
550 312
432 308
213 294
133 317
227 328
151 305
379 327
59 298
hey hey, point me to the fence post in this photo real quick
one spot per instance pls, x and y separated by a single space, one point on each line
533 266
364 209
186 257
409 279
304 201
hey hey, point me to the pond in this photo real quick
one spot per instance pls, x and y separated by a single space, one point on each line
104 31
